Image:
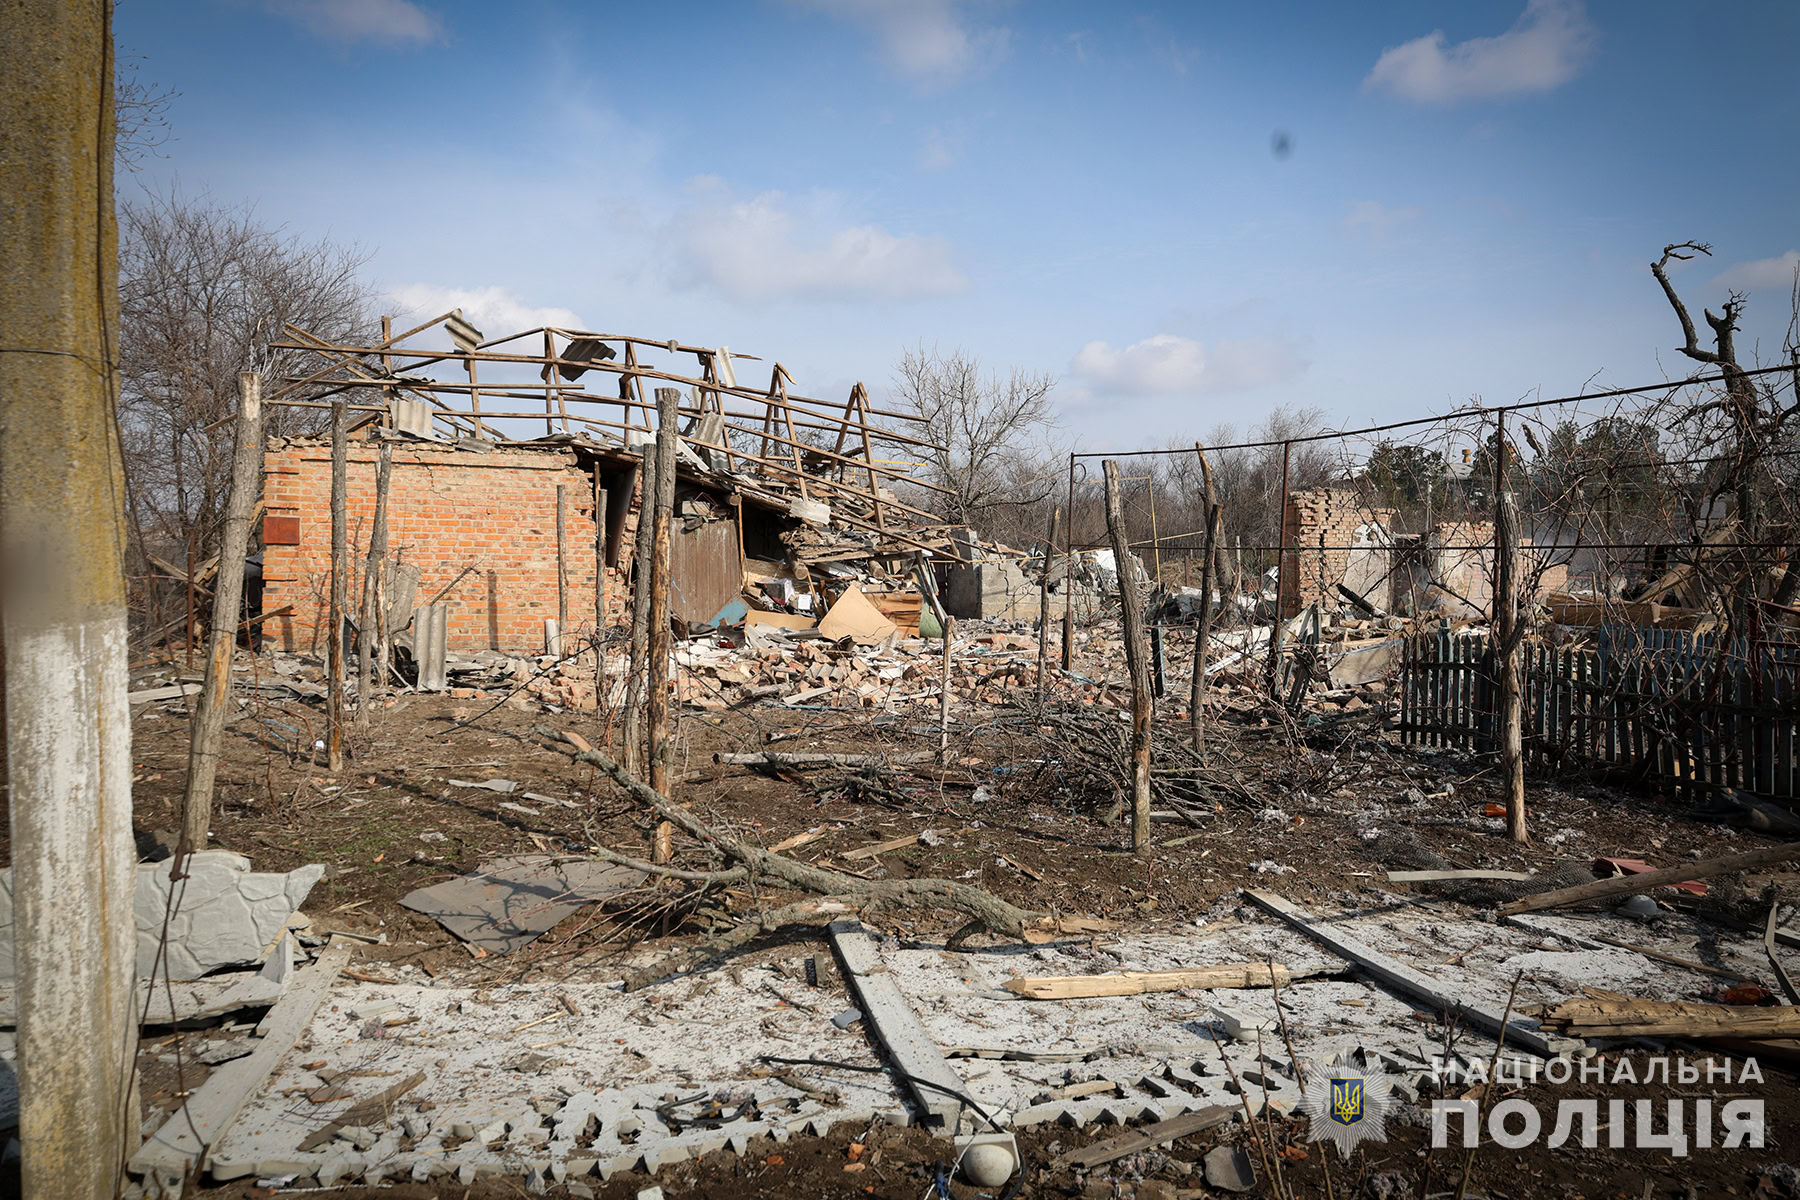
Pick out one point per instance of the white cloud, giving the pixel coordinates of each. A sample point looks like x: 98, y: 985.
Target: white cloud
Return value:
x: 940, y: 150
x: 930, y: 41
x: 1544, y: 49
x: 759, y: 249
x: 393, y: 22
x: 1763, y: 274
x: 1168, y: 363
x: 496, y: 311
x: 1378, y: 219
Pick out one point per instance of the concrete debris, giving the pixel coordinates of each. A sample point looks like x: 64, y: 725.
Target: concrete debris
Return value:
x: 226, y: 915
x: 513, y: 901
x: 1228, y: 1168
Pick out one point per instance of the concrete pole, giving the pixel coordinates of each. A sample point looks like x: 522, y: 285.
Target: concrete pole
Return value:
x: 228, y: 597
x: 62, y: 602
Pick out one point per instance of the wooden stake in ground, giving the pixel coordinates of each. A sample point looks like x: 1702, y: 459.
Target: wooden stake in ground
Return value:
x: 1044, y: 606
x: 562, y: 566
x: 340, y: 570
x: 662, y: 752
x: 228, y: 594
x: 62, y: 619
x: 1209, y: 578
x: 602, y: 694
x: 1137, y: 658
x: 1509, y: 634
x: 631, y: 727
x: 370, y: 623
x: 949, y: 627
x: 1068, y: 621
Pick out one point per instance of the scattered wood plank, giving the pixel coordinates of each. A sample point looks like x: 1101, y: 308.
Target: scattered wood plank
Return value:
x: 173, y: 691
x: 378, y: 1107
x: 1630, y: 885
x: 1596, y: 1013
x: 799, y: 839
x: 880, y: 847
x: 1151, y: 1136
x: 885, y: 1011
x: 1672, y: 959
x: 763, y: 758
x: 1402, y: 978
x: 1136, y: 983
x: 1436, y: 876
x: 176, y: 1148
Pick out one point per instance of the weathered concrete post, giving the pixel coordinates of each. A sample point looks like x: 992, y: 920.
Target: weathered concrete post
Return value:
x: 228, y: 597
x: 62, y: 611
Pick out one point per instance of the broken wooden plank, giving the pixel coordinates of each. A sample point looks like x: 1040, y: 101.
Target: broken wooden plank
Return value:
x: 1151, y: 1136
x: 885, y: 1011
x: 178, y: 1145
x: 1402, y: 978
x: 1607, y: 1014
x: 1437, y: 876
x: 1630, y: 885
x: 172, y: 692
x: 880, y: 847
x: 762, y: 758
x: 378, y: 1107
x: 1136, y: 983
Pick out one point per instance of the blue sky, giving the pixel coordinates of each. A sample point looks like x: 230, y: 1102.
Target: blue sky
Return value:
x: 1471, y: 196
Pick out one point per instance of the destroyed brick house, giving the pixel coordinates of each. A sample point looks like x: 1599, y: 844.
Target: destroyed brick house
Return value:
x: 1338, y: 542
x: 508, y: 533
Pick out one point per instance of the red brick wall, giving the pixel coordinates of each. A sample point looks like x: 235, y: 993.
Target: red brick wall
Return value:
x: 1317, y: 526
x: 493, y: 512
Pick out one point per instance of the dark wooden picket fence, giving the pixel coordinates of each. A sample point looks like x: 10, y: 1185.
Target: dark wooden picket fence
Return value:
x: 1659, y: 704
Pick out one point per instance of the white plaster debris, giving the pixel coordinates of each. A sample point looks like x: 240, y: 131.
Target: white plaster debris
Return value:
x: 575, y: 1096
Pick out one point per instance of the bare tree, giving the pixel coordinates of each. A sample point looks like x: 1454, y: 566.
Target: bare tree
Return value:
x: 1752, y: 419
x: 992, y: 432
x: 203, y: 289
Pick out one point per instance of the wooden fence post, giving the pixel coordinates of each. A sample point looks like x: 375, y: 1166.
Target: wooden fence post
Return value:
x: 1044, y: 606
x: 1137, y: 658
x: 562, y: 564
x: 661, y: 638
x: 367, y: 677
x: 1068, y: 622
x: 228, y: 596
x: 629, y: 723
x: 1509, y: 635
x: 340, y: 569
x: 1209, y: 579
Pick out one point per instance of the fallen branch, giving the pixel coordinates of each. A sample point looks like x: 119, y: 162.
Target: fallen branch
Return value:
x: 1630, y: 885
x: 840, y: 894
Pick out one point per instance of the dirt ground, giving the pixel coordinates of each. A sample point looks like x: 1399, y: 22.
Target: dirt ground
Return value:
x: 392, y: 822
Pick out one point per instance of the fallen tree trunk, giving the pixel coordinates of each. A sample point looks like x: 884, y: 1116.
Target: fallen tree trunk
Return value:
x: 840, y: 894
